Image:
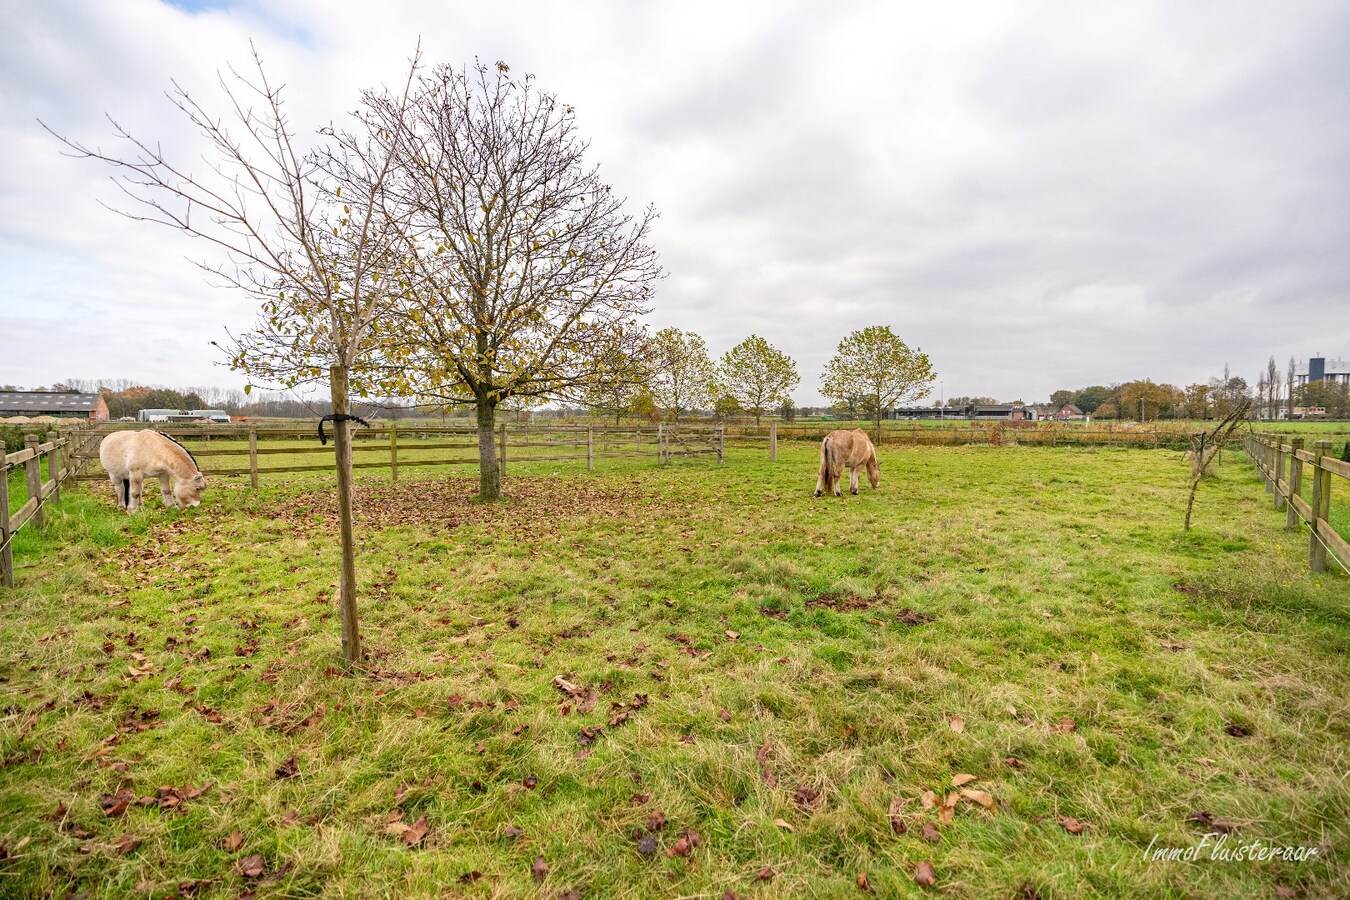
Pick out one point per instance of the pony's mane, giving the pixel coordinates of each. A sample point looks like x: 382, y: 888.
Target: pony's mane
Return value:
x: 185, y: 450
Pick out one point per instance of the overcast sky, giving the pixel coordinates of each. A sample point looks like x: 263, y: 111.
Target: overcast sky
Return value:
x: 1038, y: 195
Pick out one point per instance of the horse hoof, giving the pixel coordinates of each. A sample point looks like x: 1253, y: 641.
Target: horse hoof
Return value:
x: 854, y: 493
x: 817, y: 493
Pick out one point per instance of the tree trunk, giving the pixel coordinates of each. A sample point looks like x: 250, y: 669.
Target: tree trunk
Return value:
x: 489, y: 473
x: 342, y: 442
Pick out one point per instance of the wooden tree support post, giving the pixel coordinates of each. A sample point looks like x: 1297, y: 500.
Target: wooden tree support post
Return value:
x: 1321, y: 507
x: 501, y: 451
x: 393, y: 451
x: 773, y: 442
x: 342, y: 441
x: 33, y: 469
x: 6, y: 552
x: 253, y: 457
x: 590, y: 449
x: 54, y: 465
x: 1295, y: 483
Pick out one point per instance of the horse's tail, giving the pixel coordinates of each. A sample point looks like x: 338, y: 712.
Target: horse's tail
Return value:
x: 826, y: 460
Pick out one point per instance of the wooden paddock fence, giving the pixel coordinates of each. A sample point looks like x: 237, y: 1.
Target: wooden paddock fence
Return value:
x: 379, y: 447
x: 65, y: 454
x: 1288, y: 470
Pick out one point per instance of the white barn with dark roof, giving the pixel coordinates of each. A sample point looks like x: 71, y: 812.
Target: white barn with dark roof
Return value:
x: 51, y: 403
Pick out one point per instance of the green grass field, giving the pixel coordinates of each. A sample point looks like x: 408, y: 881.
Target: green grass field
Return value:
x: 681, y: 681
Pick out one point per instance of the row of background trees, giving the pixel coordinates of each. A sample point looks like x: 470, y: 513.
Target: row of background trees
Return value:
x: 1273, y: 392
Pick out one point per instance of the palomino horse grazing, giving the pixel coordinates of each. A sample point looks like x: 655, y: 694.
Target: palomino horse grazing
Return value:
x: 132, y: 456
x: 846, y: 448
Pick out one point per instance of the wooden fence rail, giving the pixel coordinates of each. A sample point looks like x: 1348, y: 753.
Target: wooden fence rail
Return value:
x: 66, y: 455
x: 1285, y: 467
x: 393, y: 447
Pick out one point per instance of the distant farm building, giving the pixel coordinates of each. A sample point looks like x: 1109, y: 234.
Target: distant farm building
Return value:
x: 157, y: 415
x: 1005, y: 412
x: 51, y: 403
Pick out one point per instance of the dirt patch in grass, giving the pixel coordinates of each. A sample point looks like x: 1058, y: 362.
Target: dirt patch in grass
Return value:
x: 532, y: 505
x: 839, y: 603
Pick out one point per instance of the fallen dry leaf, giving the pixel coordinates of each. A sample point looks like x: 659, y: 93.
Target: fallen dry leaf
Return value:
x: 764, y: 874
x: 931, y: 833
x: 862, y: 882
x: 957, y: 724
x: 539, y: 870
x: 1065, y: 726
x: 958, y: 780
x: 415, y: 832
x: 947, y: 811
x: 895, y: 814
x: 924, y: 875
x: 981, y: 797
x: 250, y: 866
x: 784, y: 824
x: 1071, y: 825
x: 470, y: 877
x: 512, y: 831
x: 233, y: 842
x: 288, y: 769
x: 1207, y: 819
x: 928, y: 799
x: 115, y: 804
x: 125, y: 844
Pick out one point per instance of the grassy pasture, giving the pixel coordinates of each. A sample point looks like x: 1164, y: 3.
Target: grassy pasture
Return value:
x: 790, y: 671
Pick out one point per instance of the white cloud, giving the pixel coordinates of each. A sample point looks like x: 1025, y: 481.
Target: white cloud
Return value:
x: 1038, y: 195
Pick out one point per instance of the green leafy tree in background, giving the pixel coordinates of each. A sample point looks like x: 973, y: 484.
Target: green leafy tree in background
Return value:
x: 757, y: 375
x: 683, y: 373
x: 875, y: 366
x: 521, y: 267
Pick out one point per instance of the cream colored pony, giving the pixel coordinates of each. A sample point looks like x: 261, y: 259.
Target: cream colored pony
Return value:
x: 132, y: 456
x: 852, y: 449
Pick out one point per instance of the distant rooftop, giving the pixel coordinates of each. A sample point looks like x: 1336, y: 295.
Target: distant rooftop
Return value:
x: 47, y: 401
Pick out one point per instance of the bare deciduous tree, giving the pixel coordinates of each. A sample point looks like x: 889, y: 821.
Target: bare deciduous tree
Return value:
x: 305, y: 231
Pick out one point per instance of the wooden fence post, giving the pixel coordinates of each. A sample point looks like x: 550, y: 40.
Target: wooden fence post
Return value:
x: 773, y: 442
x: 54, y: 466
x: 501, y: 464
x: 590, y: 449
x: 393, y: 450
x: 1295, y: 483
x: 6, y: 553
x: 1321, y: 506
x: 253, y: 456
x: 721, y: 443
x: 34, y: 472
x: 660, y: 443
x: 1279, y: 474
